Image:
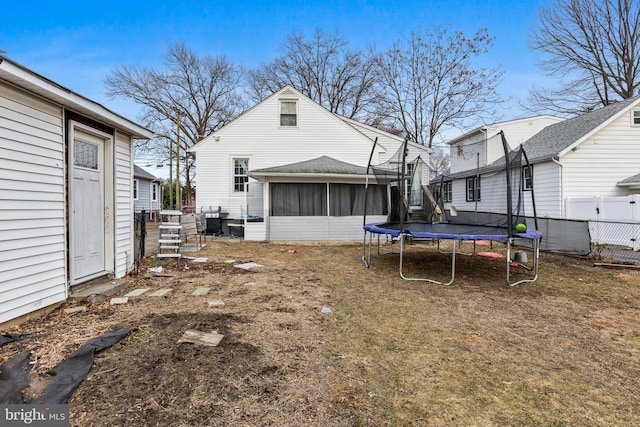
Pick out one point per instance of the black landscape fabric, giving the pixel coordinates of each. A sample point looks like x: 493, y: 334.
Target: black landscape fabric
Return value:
x: 14, y: 377
x: 73, y: 370
x: 7, y: 338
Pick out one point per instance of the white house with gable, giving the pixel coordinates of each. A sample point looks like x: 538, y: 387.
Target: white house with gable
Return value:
x: 480, y: 147
x: 591, y: 156
x: 289, y: 169
x: 66, y: 178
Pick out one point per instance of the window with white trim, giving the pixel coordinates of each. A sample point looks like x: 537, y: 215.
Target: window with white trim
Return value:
x: 135, y: 189
x: 473, y: 189
x: 240, y: 174
x: 288, y: 113
x: 635, y: 118
x: 447, y: 191
x: 527, y: 178
x: 154, y: 192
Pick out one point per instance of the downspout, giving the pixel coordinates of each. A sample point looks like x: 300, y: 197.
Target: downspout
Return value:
x: 556, y: 160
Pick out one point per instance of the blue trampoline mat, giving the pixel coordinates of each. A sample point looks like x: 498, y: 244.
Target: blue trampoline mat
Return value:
x: 448, y: 231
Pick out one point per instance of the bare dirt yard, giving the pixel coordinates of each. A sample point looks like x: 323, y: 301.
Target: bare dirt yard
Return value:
x: 314, y: 338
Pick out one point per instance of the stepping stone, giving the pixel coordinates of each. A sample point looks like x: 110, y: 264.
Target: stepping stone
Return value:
x: 230, y: 261
x: 136, y: 292
x: 250, y: 284
x: 216, y: 303
x: 210, y: 339
x: 74, y: 310
x: 119, y: 300
x: 247, y: 265
x: 200, y: 291
x: 200, y: 260
x: 160, y: 292
x: 325, y: 310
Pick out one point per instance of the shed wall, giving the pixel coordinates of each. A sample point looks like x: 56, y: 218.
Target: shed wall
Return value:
x: 32, y: 204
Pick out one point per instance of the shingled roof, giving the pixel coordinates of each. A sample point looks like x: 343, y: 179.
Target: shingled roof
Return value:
x: 319, y: 166
x: 141, y: 173
x: 553, y: 139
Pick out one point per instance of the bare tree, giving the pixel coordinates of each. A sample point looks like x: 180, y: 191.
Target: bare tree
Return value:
x: 429, y: 83
x: 324, y: 69
x: 438, y: 161
x: 592, y: 47
x: 192, y: 97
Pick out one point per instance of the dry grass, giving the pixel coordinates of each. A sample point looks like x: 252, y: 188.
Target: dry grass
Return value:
x: 561, y: 351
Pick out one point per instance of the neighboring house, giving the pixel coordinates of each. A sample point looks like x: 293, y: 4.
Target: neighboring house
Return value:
x: 147, y: 192
x: 66, y: 174
x: 594, y: 154
x: 303, y: 166
x: 480, y: 147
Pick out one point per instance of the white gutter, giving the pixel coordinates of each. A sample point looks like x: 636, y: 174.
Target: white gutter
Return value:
x: 31, y: 81
x: 556, y: 160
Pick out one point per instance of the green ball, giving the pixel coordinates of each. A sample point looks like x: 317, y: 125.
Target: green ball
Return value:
x: 521, y: 228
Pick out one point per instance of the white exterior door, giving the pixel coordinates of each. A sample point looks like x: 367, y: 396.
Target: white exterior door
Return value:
x: 88, y: 198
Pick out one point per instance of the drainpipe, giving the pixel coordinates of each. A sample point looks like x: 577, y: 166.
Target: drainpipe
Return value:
x: 556, y: 160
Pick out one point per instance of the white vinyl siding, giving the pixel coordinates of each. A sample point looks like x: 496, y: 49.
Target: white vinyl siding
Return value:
x: 603, y: 160
x: 32, y: 204
x: 124, y: 231
x: 318, y: 228
x: 487, y: 147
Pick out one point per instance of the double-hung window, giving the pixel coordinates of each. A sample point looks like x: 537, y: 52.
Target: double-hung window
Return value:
x: 635, y: 118
x: 473, y: 189
x: 288, y: 113
x: 240, y: 174
x: 527, y: 178
x: 135, y: 189
x: 447, y: 191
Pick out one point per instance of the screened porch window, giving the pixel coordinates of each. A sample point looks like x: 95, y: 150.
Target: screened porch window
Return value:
x: 240, y: 174
x: 298, y: 199
x: 348, y: 199
x: 311, y: 199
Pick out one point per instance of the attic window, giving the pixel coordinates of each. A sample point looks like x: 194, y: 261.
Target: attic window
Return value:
x: 635, y: 118
x: 288, y: 113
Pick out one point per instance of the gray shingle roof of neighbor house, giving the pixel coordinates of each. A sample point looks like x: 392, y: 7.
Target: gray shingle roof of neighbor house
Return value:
x: 635, y: 179
x: 553, y: 139
x: 323, y: 165
x: 141, y: 173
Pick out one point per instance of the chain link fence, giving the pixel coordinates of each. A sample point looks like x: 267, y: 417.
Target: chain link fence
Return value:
x: 616, y: 241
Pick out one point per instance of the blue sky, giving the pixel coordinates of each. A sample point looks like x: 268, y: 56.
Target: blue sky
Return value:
x: 77, y: 44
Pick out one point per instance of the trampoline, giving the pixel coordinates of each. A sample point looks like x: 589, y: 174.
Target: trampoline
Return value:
x: 456, y: 233
x: 475, y: 226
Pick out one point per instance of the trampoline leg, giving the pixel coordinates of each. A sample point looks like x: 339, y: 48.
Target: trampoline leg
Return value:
x: 366, y: 261
x: 536, y: 263
x: 437, y: 282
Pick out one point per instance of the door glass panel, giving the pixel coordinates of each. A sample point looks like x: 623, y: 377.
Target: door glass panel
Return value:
x: 85, y: 155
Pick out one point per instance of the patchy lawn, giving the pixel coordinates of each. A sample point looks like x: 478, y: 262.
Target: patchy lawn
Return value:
x: 561, y: 351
